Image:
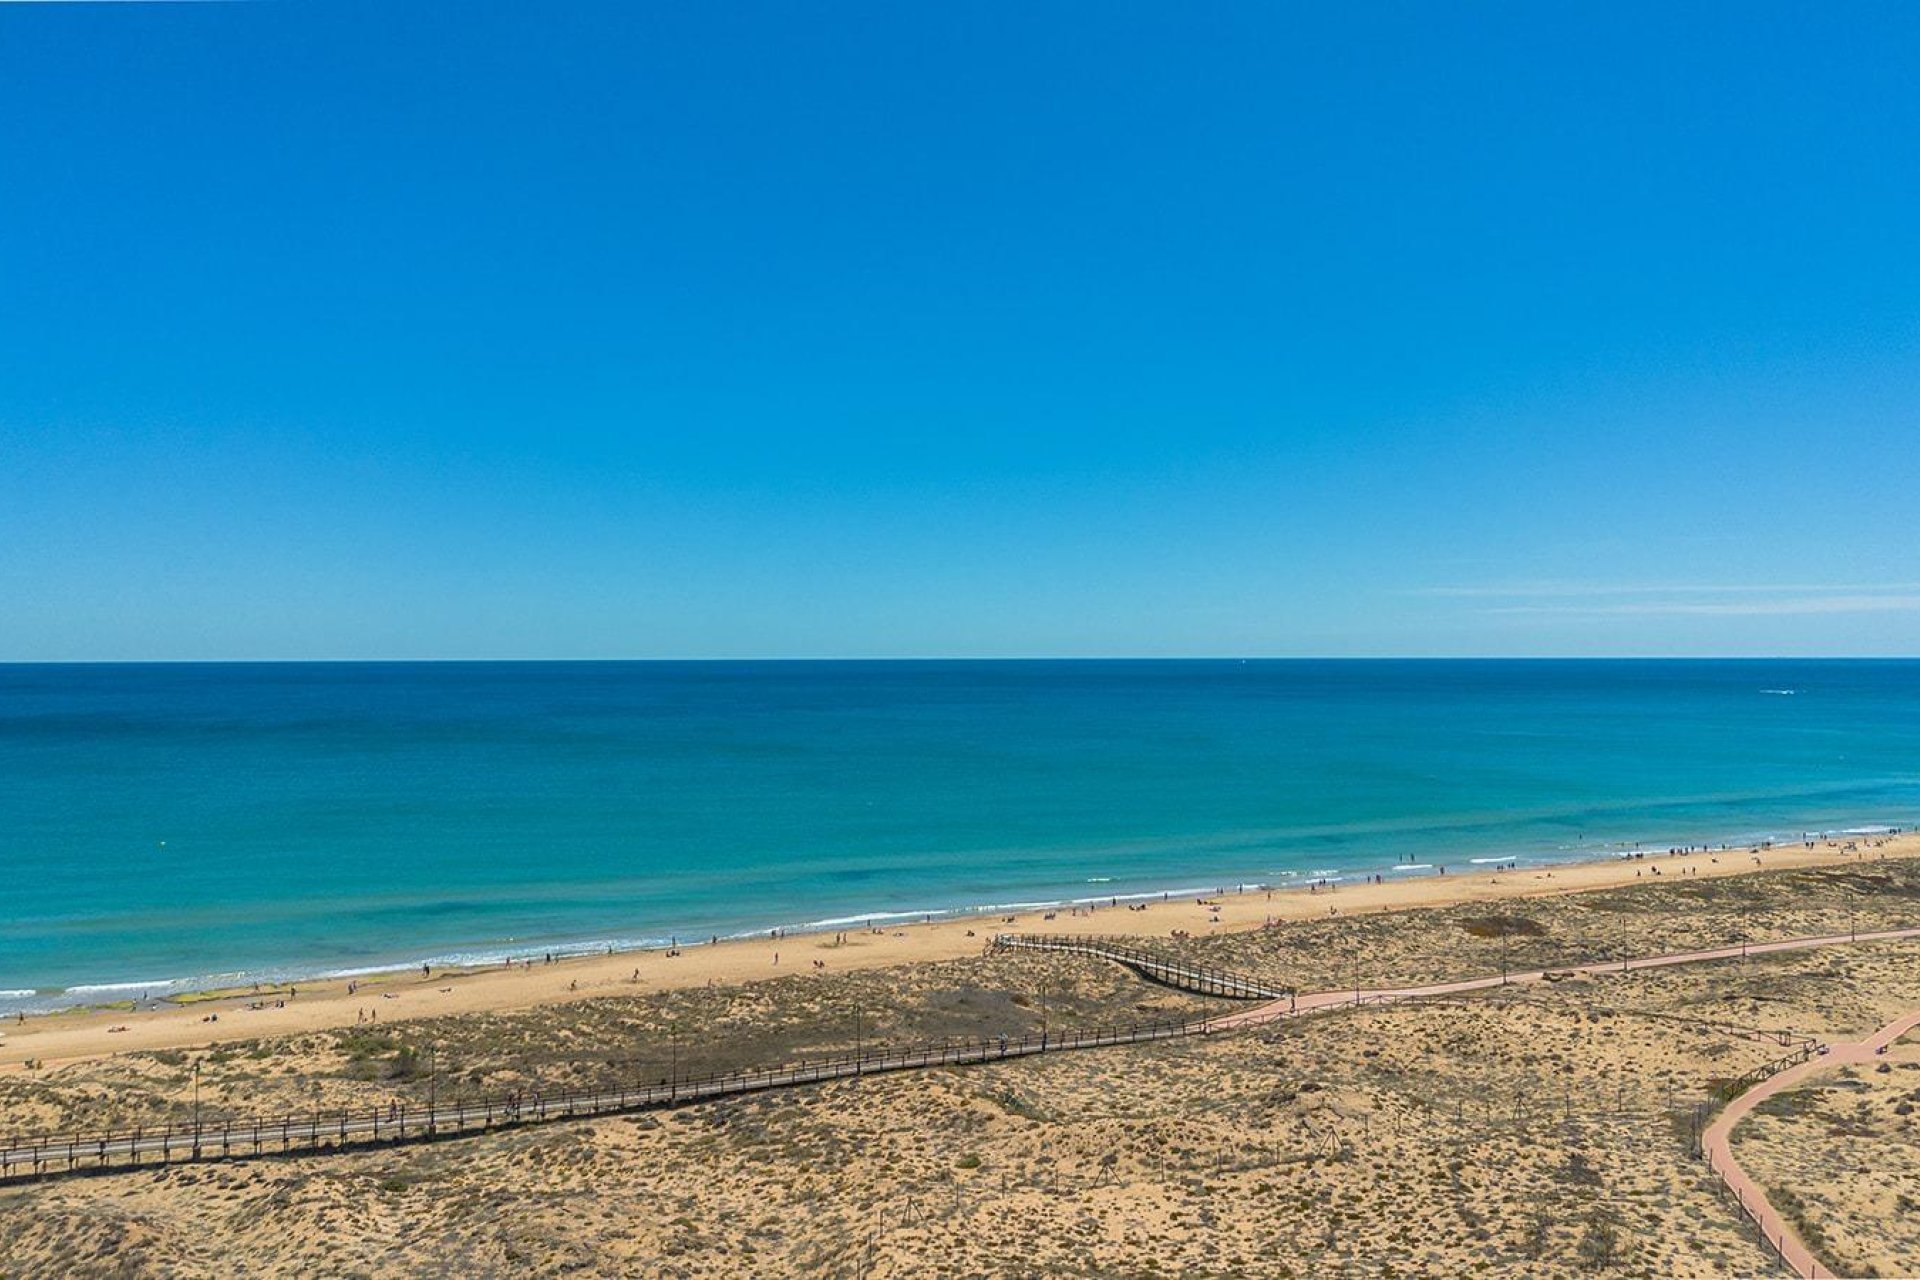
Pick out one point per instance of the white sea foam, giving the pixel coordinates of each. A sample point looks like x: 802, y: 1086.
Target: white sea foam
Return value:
x: 367, y: 971
x: 1150, y: 895
x: 1482, y: 861
x: 525, y: 950
x: 1412, y: 866
x: 865, y: 917
x: 49, y: 999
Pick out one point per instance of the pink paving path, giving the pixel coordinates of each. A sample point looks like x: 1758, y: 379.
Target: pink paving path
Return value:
x: 1382, y: 995
x: 1792, y: 1249
x: 1718, y: 1139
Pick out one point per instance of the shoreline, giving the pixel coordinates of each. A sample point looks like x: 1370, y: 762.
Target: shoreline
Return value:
x: 227, y: 1015
x: 148, y: 996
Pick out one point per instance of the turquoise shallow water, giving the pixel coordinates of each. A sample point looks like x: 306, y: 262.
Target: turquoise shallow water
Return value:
x: 181, y: 825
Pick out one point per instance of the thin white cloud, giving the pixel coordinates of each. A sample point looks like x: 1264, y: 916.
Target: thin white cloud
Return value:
x: 1537, y: 590
x: 1565, y: 599
x: 1786, y: 606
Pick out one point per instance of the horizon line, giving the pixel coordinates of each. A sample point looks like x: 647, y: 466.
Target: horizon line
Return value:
x: 991, y: 658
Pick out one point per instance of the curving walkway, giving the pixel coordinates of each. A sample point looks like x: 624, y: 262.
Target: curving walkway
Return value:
x: 1718, y: 1140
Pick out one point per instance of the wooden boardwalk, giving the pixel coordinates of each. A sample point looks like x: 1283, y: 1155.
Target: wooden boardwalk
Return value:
x: 1148, y: 964
x: 54, y: 1154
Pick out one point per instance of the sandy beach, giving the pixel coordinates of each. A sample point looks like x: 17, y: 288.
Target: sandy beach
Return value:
x: 80, y: 1035
x: 1539, y: 1127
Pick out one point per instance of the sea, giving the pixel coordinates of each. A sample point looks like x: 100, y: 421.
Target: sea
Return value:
x: 174, y: 827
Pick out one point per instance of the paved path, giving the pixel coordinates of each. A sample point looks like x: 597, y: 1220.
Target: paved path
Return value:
x: 1718, y: 1139
x: 1385, y: 995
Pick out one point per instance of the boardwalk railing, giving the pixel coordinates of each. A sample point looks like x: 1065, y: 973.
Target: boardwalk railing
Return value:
x: 1150, y: 965
x: 1404, y: 997
x: 226, y: 1138
x: 1728, y: 1090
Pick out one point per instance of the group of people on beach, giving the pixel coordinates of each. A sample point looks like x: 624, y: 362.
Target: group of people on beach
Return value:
x: 1809, y: 840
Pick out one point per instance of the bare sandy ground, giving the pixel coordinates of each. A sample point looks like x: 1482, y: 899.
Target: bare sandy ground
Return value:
x: 72, y: 1037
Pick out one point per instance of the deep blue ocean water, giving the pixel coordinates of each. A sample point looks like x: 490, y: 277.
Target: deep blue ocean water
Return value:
x: 198, y: 824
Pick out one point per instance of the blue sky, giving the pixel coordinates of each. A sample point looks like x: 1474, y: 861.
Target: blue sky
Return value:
x: 357, y: 331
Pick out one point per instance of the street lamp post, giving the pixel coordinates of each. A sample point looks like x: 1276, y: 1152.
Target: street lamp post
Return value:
x: 196, y: 1111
